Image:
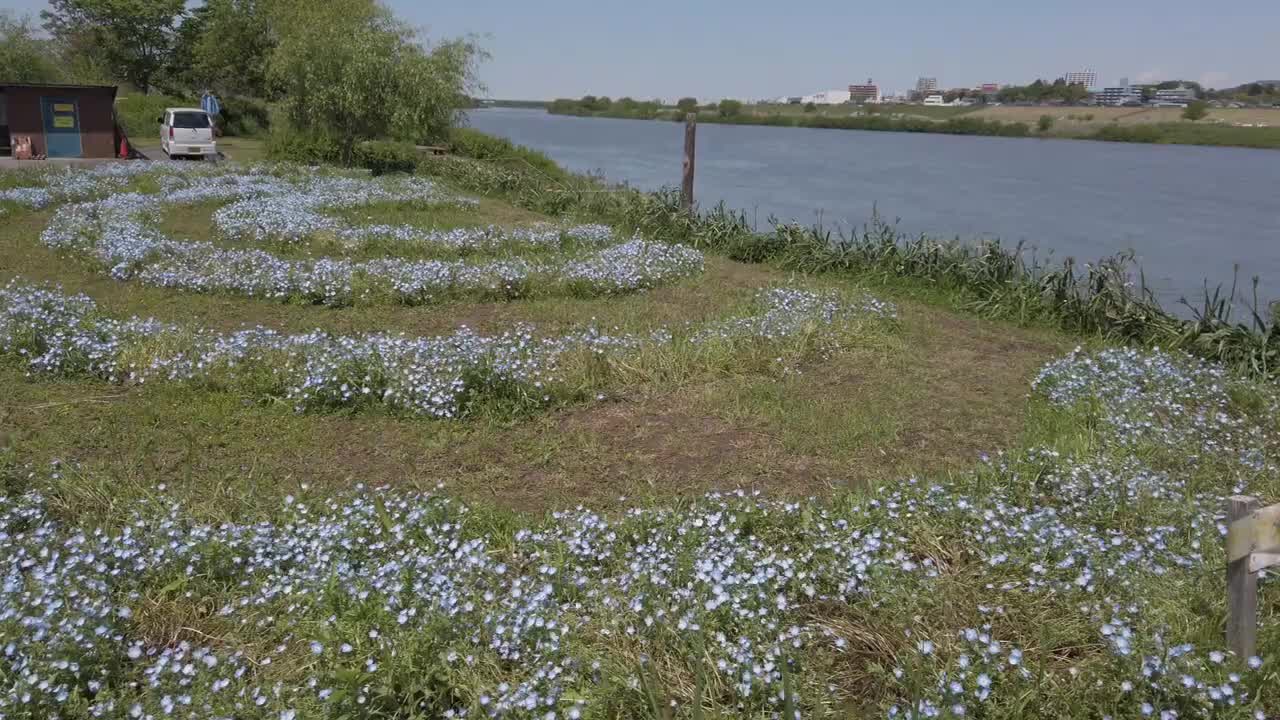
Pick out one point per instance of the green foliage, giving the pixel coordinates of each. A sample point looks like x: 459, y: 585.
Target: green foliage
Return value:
x: 381, y: 157
x: 354, y: 79
x: 23, y: 56
x: 810, y: 107
x: 1041, y: 91
x: 301, y: 146
x: 231, y: 53
x: 1257, y: 94
x: 1171, y: 84
x: 1196, y: 110
x: 956, y: 125
x: 1045, y: 123
x: 179, y: 73
x: 1183, y: 133
x: 960, y: 125
x: 730, y: 108
x: 138, y: 114
x: 471, y: 143
x: 590, y: 105
x: 687, y: 105
x: 244, y: 117
x: 133, y: 37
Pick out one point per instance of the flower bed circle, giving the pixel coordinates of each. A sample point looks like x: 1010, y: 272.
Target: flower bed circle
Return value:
x: 120, y: 231
x: 58, y: 334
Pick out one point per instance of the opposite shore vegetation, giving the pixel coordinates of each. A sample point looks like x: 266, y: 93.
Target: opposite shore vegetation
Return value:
x: 1149, y: 125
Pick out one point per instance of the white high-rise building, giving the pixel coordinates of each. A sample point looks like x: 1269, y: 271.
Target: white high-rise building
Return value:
x: 926, y: 85
x: 1087, y: 78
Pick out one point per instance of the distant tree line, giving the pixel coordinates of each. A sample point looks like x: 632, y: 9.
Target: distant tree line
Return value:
x: 1254, y: 93
x: 603, y: 106
x: 623, y: 107
x: 1040, y: 91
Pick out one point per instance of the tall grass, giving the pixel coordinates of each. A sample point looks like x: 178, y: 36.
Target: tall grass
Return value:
x: 1185, y: 133
x: 1107, y: 298
x: 480, y: 146
x: 890, y: 123
x: 139, y: 114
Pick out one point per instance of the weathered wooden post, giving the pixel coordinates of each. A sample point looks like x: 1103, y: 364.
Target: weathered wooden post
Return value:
x: 1253, y: 545
x: 690, y: 138
x: 1242, y: 585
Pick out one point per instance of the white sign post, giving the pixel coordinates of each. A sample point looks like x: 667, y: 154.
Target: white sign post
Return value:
x: 1253, y: 544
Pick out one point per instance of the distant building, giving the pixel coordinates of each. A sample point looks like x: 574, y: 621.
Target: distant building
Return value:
x: 1087, y: 78
x: 934, y: 99
x: 829, y: 97
x: 1119, y: 95
x: 989, y: 88
x: 926, y: 85
x: 1180, y: 95
x: 867, y: 93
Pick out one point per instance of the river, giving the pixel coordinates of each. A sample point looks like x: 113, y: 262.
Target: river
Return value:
x: 1190, y: 214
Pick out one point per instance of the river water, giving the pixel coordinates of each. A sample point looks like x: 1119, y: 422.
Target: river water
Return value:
x: 1190, y: 214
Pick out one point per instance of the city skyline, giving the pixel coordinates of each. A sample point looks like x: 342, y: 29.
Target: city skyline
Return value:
x: 666, y: 49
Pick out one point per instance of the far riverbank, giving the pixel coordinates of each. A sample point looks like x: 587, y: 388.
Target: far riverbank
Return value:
x: 1146, y: 126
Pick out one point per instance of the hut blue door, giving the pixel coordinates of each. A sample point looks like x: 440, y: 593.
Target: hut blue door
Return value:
x: 61, y: 127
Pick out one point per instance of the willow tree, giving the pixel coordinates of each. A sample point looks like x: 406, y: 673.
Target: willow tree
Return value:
x: 355, y: 73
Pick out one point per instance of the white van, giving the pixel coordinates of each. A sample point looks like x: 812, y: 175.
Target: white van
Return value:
x: 187, y: 132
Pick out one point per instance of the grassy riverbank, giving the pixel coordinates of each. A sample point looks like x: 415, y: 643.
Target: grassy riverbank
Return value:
x: 1228, y: 127
x: 305, y: 498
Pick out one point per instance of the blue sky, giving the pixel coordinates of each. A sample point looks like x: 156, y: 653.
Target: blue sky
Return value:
x: 755, y: 49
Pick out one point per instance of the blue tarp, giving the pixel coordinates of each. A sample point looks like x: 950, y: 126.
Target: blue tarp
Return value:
x: 209, y: 103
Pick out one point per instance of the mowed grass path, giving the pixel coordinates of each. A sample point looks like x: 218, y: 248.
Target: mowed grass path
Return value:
x: 926, y: 398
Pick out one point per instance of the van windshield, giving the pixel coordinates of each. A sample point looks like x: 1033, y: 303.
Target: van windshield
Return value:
x: 190, y: 120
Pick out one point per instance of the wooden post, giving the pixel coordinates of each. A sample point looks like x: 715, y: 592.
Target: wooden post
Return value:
x: 1242, y: 588
x: 690, y: 137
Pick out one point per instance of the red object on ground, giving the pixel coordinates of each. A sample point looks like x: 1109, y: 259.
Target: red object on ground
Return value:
x: 22, y: 148
x: 124, y: 148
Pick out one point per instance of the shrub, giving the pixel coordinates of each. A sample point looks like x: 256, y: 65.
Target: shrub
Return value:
x: 1197, y: 110
x: 1045, y: 123
x: 475, y: 144
x: 1144, y: 133
x: 730, y: 108
x: 244, y: 116
x: 300, y: 146
x: 381, y: 157
x: 137, y: 114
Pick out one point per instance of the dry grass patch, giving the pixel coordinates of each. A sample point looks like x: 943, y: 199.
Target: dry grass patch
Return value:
x: 930, y: 400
